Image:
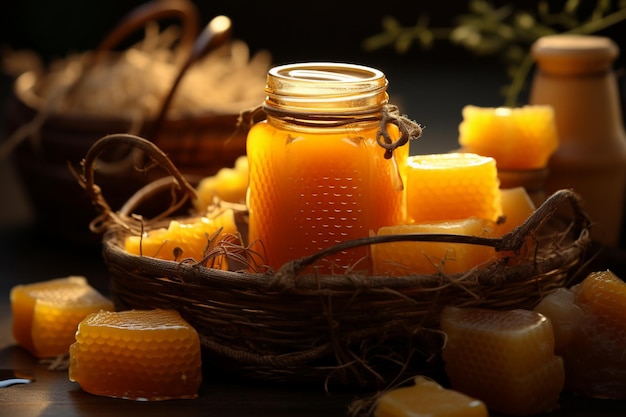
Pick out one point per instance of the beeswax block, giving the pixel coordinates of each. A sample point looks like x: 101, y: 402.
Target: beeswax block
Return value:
x: 516, y: 208
x: 452, y: 186
x: 518, y: 138
x: 590, y: 327
x: 504, y: 358
x: 404, y: 257
x: 184, y: 239
x: 46, y: 314
x: 145, y: 355
x: 426, y: 398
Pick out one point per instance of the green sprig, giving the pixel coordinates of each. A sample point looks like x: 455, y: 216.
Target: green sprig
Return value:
x: 504, y: 31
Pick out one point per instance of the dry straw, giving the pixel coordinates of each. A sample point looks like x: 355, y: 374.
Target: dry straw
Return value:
x: 351, y: 329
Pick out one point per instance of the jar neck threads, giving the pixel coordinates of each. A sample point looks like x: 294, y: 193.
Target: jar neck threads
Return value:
x: 325, y: 94
x: 333, y: 95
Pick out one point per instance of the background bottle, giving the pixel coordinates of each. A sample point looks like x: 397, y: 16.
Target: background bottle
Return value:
x: 574, y: 75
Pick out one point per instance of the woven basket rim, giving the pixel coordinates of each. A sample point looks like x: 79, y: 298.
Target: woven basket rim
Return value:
x: 290, y: 276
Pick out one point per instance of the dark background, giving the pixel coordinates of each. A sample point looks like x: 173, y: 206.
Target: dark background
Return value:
x: 430, y: 86
x: 293, y: 30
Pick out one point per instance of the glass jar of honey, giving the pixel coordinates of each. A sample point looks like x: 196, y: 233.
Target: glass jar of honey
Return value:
x: 319, y: 174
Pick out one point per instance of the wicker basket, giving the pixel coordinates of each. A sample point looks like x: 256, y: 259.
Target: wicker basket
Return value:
x: 200, y: 144
x: 358, y: 330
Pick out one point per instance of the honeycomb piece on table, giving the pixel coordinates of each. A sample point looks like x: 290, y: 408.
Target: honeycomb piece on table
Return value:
x: 590, y: 327
x: 147, y: 355
x: 46, y: 314
x: 426, y: 398
x: 504, y: 358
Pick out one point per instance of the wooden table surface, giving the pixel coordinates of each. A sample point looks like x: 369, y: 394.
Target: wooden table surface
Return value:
x: 30, y: 256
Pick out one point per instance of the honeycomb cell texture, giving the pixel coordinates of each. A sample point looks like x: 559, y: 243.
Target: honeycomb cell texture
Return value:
x: 188, y: 239
x: 504, y: 358
x: 590, y: 319
x: 46, y: 314
x: 452, y: 186
x: 137, y: 354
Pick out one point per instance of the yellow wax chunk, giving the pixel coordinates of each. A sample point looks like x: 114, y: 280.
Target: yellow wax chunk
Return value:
x: 229, y: 184
x: 518, y: 138
x: 516, y: 208
x: 504, y: 358
x: 428, y: 399
x: 185, y: 239
x: 46, y: 314
x: 404, y: 258
x: 590, y: 328
x: 452, y: 186
x: 137, y: 354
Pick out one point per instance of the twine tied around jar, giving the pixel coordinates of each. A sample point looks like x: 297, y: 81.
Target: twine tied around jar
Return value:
x: 390, y: 114
x: 409, y: 129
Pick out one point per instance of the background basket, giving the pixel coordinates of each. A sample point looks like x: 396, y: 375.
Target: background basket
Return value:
x: 200, y: 144
x: 353, y: 329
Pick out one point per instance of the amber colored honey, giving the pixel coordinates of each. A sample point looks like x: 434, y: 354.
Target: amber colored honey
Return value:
x: 137, y: 354
x: 452, y: 186
x: 426, y: 398
x: 46, y: 314
x: 504, y: 358
x: 313, y: 188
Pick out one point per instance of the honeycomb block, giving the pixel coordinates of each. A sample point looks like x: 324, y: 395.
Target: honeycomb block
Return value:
x: 504, y: 358
x: 405, y: 257
x: 517, y: 138
x: 590, y: 328
x: 452, y: 186
x: 46, y: 314
x: 426, y: 398
x: 147, y: 355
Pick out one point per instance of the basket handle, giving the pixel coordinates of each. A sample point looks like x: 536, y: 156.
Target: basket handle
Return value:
x: 155, y: 10
x: 94, y: 193
x: 512, y: 241
x: 214, y: 34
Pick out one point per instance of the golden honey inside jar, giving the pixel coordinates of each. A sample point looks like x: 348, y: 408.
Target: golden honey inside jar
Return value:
x: 318, y: 175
